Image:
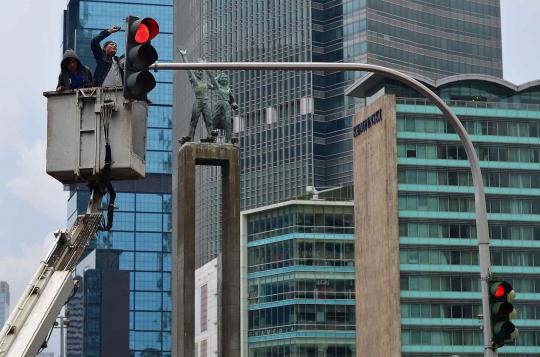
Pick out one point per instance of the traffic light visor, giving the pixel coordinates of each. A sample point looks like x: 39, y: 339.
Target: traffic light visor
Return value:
x: 151, y: 26
x: 144, y: 30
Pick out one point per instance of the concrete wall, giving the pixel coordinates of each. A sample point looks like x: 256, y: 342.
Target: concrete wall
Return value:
x: 378, y: 326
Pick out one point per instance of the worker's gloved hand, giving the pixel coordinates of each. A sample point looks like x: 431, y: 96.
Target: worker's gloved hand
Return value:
x: 60, y: 88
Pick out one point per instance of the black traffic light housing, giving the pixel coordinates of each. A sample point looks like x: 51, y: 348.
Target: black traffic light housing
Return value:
x: 501, y: 295
x: 140, y: 54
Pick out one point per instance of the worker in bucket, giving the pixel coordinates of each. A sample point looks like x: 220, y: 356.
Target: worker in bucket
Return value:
x: 73, y: 74
x: 109, y: 67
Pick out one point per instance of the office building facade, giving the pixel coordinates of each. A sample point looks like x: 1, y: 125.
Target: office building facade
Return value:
x: 98, y: 312
x: 4, y: 302
x: 424, y: 250
x: 298, y: 290
x: 206, y: 309
x: 142, y: 222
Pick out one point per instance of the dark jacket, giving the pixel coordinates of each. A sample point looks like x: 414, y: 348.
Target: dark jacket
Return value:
x: 103, y: 62
x: 63, y: 78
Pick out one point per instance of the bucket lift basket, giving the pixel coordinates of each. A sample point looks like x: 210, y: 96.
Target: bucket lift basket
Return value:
x: 79, y: 124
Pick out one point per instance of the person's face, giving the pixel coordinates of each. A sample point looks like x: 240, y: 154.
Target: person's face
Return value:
x: 72, y: 65
x: 199, y: 74
x: 110, y: 49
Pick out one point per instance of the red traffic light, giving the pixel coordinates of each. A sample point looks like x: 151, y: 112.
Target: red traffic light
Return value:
x: 144, y: 30
x: 499, y: 292
x: 142, y: 34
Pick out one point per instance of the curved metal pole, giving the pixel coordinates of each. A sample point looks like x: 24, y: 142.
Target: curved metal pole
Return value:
x: 479, y: 195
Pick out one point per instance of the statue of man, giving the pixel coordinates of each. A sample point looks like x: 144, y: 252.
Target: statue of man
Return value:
x: 200, y: 106
x: 222, y: 113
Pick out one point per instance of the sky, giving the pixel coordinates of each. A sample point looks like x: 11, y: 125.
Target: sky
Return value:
x: 33, y: 204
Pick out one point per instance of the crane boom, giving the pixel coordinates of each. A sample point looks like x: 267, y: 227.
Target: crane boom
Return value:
x: 25, y: 332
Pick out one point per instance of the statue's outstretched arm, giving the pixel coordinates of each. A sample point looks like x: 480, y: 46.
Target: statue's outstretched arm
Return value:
x: 183, y: 53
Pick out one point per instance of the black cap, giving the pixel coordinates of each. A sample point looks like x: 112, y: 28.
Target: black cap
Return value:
x: 107, y: 42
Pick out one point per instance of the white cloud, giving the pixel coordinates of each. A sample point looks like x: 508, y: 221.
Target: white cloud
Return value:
x: 34, y: 186
x: 17, y: 270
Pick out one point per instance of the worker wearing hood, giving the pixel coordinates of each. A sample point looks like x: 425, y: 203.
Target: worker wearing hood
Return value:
x: 73, y: 73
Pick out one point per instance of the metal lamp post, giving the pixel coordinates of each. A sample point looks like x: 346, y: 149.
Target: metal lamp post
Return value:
x: 479, y: 196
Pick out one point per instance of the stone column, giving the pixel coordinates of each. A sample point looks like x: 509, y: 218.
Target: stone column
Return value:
x: 183, y: 281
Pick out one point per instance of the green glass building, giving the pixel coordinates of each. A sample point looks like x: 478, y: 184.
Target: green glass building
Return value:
x: 300, y: 279
x: 438, y: 257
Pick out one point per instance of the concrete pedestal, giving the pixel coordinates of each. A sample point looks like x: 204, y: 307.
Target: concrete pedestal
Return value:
x: 183, y: 270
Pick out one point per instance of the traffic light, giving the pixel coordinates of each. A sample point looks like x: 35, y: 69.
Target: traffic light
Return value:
x: 140, y: 54
x: 501, y: 294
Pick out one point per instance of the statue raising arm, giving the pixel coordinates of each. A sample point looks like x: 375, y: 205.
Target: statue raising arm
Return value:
x: 183, y: 53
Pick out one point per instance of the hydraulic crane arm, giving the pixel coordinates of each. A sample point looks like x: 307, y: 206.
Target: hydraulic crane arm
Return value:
x: 25, y: 332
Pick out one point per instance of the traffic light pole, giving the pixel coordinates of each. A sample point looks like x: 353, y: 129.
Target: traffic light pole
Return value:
x: 479, y: 195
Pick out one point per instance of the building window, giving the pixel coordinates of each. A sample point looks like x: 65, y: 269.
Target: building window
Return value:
x: 271, y: 115
x: 204, y: 311
x: 306, y: 105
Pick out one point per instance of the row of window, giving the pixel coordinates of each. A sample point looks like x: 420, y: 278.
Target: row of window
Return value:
x: 512, y: 258
x: 449, y: 177
x: 474, y: 126
x: 457, y: 152
x: 411, y: 336
x: 139, y: 241
x: 419, y: 336
x: 310, y: 317
x: 461, y: 311
x: 318, y: 216
x: 261, y: 291
x: 461, y: 283
x: 297, y: 350
x: 457, y: 230
x: 418, y: 202
x: 438, y: 257
x: 301, y: 252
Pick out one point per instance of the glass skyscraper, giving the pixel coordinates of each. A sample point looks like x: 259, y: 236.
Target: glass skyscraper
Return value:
x: 294, y: 126
x: 438, y: 255
x: 142, y: 224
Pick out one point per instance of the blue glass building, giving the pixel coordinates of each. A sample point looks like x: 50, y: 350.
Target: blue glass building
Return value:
x: 142, y: 225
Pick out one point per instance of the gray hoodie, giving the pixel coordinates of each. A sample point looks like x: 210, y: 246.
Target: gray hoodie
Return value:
x: 63, y: 78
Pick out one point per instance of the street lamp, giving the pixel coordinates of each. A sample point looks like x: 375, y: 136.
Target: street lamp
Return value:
x: 479, y: 196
